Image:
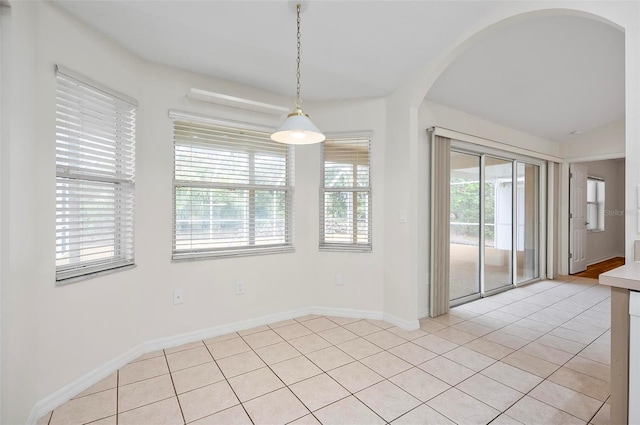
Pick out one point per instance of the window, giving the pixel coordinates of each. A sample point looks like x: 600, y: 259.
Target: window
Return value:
x: 95, y: 164
x: 595, y: 204
x: 233, y: 190
x: 345, y: 210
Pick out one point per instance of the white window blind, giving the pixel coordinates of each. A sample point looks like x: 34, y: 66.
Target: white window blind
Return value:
x: 345, y: 200
x: 233, y: 191
x: 595, y: 204
x: 95, y: 168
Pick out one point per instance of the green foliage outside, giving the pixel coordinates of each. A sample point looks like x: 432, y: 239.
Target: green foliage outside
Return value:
x: 225, y: 212
x: 465, y: 208
x: 338, y: 205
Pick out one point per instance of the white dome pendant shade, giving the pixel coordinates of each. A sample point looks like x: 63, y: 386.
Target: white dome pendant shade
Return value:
x: 298, y: 128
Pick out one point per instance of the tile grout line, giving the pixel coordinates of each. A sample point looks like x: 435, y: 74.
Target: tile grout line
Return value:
x: 326, y: 372
x: 117, y: 395
x: 386, y: 350
x: 173, y: 384
x: 136, y: 382
x: 544, y: 402
x: 229, y: 384
x: 323, y: 372
x: 386, y: 378
x: 544, y: 379
x: 527, y: 317
x: 406, y: 341
x: 276, y: 375
x: 596, y: 412
x: 478, y: 337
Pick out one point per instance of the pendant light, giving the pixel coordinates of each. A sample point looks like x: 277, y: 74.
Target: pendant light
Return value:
x: 298, y: 128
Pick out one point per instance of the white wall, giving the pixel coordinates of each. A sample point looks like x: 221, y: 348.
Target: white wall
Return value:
x: 402, y: 239
x: 55, y: 335
x: 19, y: 218
x: 607, y: 141
x: 610, y: 243
x: 434, y: 114
x: 631, y: 22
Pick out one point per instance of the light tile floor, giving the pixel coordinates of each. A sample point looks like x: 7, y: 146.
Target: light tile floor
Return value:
x: 533, y: 355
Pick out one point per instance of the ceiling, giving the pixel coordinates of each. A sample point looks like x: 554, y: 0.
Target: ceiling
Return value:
x: 350, y: 49
x: 546, y: 76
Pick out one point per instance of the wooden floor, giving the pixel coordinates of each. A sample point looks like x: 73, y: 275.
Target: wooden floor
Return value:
x: 595, y: 270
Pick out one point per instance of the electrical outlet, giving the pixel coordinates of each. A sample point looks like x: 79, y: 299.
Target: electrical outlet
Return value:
x: 239, y: 287
x: 339, y: 279
x: 178, y: 296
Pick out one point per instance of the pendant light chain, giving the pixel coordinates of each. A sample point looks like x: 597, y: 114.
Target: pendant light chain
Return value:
x: 298, y: 128
x: 298, y: 100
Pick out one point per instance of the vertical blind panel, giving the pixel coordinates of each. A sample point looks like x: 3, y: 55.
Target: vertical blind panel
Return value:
x: 439, y: 285
x: 233, y: 191
x: 345, y: 215
x: 95, y: 164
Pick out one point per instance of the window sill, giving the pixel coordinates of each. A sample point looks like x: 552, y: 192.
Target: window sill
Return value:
x: 596, y: 231
x: 345, y: 248
x: 196, y: 256
x: 67, y: 281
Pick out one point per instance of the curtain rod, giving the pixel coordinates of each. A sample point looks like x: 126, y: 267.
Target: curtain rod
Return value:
x: 483, y: 141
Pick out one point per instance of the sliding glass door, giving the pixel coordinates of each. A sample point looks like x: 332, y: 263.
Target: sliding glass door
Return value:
x: 498, y: 223
x: 464, y: 253
x: 494, y: 224
x: 527, y: 250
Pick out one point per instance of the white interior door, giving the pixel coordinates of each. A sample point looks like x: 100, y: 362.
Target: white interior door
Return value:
x: 577, y: 218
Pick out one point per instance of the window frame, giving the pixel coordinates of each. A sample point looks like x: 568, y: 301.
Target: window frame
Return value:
x: 352, y: 246
x: 249, y: 249
x: 119, y: 178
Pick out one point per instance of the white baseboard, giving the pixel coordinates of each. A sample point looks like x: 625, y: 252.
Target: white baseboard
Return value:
x: 422, y: 314
x: 185, y: 338
x: 347, y: 312
x: 600, y: 260
x: 71, y: 390
x: 407, y: 325
x: 66, y: 393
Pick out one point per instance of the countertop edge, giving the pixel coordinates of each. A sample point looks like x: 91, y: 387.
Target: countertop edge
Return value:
x: 626, y: 277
